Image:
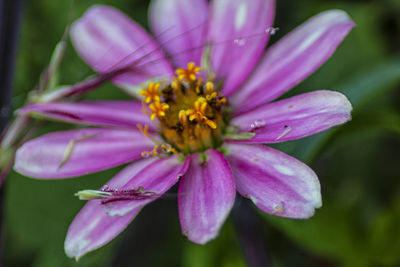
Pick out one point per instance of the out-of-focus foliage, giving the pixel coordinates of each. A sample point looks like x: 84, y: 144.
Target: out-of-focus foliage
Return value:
x: 358, y: 164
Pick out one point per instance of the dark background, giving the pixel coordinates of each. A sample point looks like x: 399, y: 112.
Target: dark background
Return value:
x: 358, y: 164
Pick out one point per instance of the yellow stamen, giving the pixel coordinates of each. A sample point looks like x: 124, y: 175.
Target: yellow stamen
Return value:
x: 176, y: 84
x: 170, y: 149
x: 222, y: 101
x: 209, y: 87
x: 151, y: 93
x: 198, y: 113
x: 188, y: 74
x: 145, y: 132
x: 158, y: 109
x: 198, y: 86
x: 211, y: 96
x: 212, y: 124
x: 182, y: 117
x: 189, y: 112
x: 145, y: 154
x: 144, y: 109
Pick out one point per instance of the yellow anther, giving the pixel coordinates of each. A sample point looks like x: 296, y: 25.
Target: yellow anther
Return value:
x: 198, y: 86
x: 182, y: 117
x: 209, y: 87
x: 198, y: 113
x: 188, y: 74
x: 210, y: 123
x: 200, y: 105
x: 222, y: 100
x: 151, y: 93
x: 193, y: 115
x: 176, y: 84
x: 158, y: 109
x: 211, y: 96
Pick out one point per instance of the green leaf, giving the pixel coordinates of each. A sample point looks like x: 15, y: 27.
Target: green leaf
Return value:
x: 384, y: 236
x: 371, y: 84
x: 325, y: 234
x: 214, y: 253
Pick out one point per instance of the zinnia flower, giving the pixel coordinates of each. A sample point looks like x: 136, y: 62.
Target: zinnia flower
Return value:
x: 203, y: 128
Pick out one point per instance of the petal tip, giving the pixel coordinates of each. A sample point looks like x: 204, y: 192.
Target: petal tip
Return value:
x: 344, y: 102
x: 339, y: 16
x: 340, y: 100
x: 74, y: 250
x: 201, y: 239
x: 19, y: 165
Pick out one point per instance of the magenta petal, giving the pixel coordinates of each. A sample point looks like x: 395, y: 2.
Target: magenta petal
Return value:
x: 206, y: 195
x: 79, y: 152
x: 92, y: 227
x: 292, y: 59
x: 277, y: 183
x: 157, y: 177
x: 125, y: 114
x: 295, y: 117
x: 179, y: 26
x: 107, y: 39
x: 238, y: 33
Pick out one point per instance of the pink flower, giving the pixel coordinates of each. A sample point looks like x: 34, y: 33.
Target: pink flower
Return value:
x: 207, y: 131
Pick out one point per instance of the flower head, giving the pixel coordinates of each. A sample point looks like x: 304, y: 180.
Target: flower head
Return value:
x: 203, y: 127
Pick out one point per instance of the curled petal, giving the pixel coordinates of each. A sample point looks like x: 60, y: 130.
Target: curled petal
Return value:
x: 237, y: 33
x: 157, y: 177
x: 206, y: 195
x: 92, y: 227
x: 125, y: 114
x: 293, y: 58
x: 79, y: 152
x: 179, y: 26
x: 107, y: 39
x: 295, y: 117
x: 277, y: 183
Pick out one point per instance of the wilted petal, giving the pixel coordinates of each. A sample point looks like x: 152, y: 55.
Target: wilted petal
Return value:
x: 79, y: 152
x: 92, y: 227
x: 277, y: 183
x: 157, y: 177
x: 179, y: 26
x: 206, y: 195
x: 295, y: 117
x: 293, y: 58
x: 238, y: 36
x: 107, y: 39
x: 125, y: 114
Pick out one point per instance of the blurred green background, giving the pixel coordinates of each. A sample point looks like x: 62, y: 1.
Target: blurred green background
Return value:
x: 358, y: 164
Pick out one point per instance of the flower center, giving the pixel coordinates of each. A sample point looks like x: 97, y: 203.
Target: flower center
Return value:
x: 189, y: 111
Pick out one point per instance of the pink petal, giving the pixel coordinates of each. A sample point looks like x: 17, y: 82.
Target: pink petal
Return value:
x: 237, y: 31
x: 179, y: 26
x: 206, y: 195
x: 293, y: 58
x: 277, y: 183
x: 79, y: 152
x: 92, y: 227
x: 157, y: 177
x: 107, y: 39
x: 125, y: 114
x: 295, y: 117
